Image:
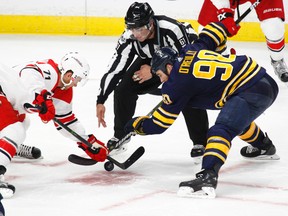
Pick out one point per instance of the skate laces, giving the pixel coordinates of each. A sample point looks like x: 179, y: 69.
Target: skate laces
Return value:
x: 25, y: 151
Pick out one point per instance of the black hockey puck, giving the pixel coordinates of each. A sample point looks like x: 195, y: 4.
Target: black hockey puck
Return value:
x: 109, y: 166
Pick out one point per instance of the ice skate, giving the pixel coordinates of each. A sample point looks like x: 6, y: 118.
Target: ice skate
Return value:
x: 280, y: 69
x: 265, y: 152
x: 28, y: 152
x: 115, y: 148
x: 6, y: 190
x: 202, y: 187
x: 197, y: 153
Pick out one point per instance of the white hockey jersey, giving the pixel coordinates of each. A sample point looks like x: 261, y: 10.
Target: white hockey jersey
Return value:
x: 20, y: 87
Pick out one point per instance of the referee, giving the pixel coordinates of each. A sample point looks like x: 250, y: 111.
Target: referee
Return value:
x: 129, y: 72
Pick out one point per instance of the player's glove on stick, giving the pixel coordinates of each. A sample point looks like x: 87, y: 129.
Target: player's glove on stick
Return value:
x: 44, y: 103
x: 226, y: 16
x: 136, y: 124
x: 95, y: 152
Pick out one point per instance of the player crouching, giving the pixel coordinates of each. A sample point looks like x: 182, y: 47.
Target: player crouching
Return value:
x: 46, y: 88
x: 233, y: 84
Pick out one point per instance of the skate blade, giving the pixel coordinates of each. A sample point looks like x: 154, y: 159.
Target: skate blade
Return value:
x: 24, y: 159
x: 119, y: 150
x: 205, y: 193
x: 6, y: 192
x: 264, y: 157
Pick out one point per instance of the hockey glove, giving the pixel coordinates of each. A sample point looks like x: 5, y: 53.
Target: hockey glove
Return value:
x: 95, y: 152
x: 44, y: 103
x: 136, y: 124
x: 226, y: 16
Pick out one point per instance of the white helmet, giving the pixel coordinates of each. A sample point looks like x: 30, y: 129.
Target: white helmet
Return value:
x: 74, y: 62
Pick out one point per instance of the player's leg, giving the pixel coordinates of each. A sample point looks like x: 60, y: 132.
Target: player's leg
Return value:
x: 238, y: 112
x: 273, y: 27
x: 12, y: 132
x: 197, y: 125
x: 25, y: 151
x: 228, y: 124
x: 125, y: 98
x: 261, y: 147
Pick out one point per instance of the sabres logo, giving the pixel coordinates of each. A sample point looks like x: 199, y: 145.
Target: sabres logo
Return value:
x: 166, y: 99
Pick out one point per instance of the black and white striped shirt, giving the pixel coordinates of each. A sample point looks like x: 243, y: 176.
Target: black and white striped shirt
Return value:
x: 168, y: 32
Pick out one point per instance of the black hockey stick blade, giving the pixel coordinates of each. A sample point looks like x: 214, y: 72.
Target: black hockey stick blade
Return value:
x: 131, y: 160
x: 76, y: 159
x: 81, y: 160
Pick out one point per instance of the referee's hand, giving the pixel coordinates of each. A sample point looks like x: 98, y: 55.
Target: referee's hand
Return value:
x: 143, y: 74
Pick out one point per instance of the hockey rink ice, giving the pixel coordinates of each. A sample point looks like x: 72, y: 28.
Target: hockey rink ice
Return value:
x: 54, y: 186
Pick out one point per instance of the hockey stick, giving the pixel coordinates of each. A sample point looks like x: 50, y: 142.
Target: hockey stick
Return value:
x: 132, y: 159
x: 129, y: 135
x: 76, y: 159
x: 86, y: 161
x: 254, y: 5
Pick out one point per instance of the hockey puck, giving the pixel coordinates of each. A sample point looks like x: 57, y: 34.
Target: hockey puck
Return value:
x: 109, y: 166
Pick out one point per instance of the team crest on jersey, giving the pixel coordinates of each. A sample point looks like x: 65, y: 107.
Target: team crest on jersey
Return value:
x: 166, y: 99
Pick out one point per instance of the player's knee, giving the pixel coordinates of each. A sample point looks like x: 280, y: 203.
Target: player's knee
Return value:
x: 221, y: 131
x: 273, y: 28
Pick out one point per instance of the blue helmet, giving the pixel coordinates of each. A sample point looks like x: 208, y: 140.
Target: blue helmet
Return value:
x: 162, y: 57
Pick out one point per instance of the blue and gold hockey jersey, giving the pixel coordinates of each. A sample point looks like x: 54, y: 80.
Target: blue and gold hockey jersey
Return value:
x: 202, y: 78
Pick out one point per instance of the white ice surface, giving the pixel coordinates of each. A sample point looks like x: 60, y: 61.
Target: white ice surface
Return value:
x: 54, y: 186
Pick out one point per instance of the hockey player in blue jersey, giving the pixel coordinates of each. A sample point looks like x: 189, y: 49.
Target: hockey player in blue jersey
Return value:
x: 201, y: 78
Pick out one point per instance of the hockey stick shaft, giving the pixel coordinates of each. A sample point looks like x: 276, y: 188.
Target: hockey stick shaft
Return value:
x: 155, y: 108
x: 81, y: 139
x: 127, y: 136
x: 254, y: 5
